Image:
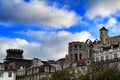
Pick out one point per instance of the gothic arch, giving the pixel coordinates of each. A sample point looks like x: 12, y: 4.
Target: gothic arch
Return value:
x: 88, y: 41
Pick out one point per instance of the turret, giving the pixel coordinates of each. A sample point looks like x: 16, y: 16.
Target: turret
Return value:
x: 14, y: 54
x: 104, y: 36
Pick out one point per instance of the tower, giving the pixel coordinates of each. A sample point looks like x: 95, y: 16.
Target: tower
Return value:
x: 15, y: 58
x: 77, y: 51
x: 104, y: 36
x: 13, y: 54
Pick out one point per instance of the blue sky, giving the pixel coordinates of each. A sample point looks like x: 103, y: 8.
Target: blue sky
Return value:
x: 43, y: 28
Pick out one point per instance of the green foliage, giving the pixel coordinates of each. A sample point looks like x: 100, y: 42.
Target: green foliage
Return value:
x: 43, y: 78
x: 107, y: 74
x: 66, y: 74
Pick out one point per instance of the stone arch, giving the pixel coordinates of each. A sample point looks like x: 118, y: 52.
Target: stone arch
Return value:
x: 88, y: 41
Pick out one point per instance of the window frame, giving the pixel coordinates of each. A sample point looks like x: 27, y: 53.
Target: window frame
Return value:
x: 1, y: 73
x: 9, y: 74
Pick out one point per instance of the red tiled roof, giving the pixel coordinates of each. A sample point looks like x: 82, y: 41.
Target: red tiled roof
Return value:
x: 9, y: 67
x: 46, y: 65
x: 61, y: 61
x: 28, y: 65
x: 42, y: 67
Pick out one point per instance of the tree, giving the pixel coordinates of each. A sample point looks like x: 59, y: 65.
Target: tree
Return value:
x: 66, y: 74
x: 108, y: 74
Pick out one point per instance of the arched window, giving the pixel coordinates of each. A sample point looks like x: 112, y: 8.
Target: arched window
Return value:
x: 76, y: 57
x: 75, y: 46
x: 80, y: 56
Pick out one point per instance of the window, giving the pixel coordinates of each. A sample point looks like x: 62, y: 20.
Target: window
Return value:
x: 102, y: 58
x: 52, y: 69
x: 76, y: 57
x: 80, y: 46
x: 75, y: 46
x: 1, y: 67
x: 107, y: 57
x: 1, y: 73
x: 80, y: 56
x: 115, y: 55
x: 101, y: 49
x: 9, y: 74
x: 97, y: 59
x: 46, y: 69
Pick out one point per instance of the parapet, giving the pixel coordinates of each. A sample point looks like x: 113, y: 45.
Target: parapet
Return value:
x: 14, y: 53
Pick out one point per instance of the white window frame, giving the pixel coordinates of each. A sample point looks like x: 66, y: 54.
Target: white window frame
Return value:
x: 52, y: 69
x: 1, y: 73
x: 46, y: 69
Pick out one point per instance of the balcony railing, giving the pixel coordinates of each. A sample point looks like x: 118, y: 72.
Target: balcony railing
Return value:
x: 109, y: 60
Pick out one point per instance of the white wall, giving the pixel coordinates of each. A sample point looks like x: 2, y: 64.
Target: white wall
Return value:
x: 57, y: 66
x: 109, y: 52
x: 37, y: 62
x: 5, y: 76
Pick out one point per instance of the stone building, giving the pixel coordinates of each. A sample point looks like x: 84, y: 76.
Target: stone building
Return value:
x: 106, y: 50
x: 78, y: 51
x: 106, y: 40
x: 87, y: 50
x: 107, y: 57
x: 37, y: 71
x: 7, y: 72
x: 15, y: 57
x: 24, y: 69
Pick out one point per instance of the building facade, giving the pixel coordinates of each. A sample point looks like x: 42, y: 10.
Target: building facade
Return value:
x: 7, y: 72
x: 78, y: 51
x: 106, y: 40
x: 15, y: 58
x: 108, y: 53
x: 35, y: 73
x: 88, y: 50
x: 38, y: 70
x: 107, y: 47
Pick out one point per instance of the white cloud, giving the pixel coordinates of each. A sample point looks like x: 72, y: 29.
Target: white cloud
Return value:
x: 103, y: 8
x: 30, y: 49
x: 53, y: 46
x: 110, y: 23
x: 36, y: 12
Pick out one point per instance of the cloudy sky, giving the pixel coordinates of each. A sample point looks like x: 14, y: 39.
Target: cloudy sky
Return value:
x: 43, y: 28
